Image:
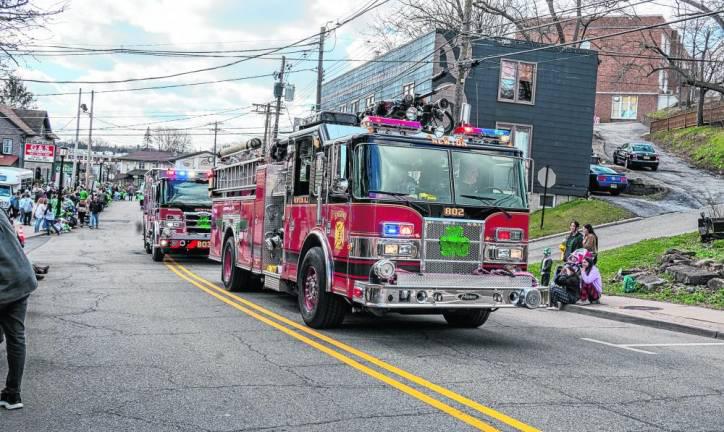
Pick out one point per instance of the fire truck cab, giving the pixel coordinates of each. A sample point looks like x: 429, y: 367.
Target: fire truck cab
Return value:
x: 176, y: 212
x: 378, y: 217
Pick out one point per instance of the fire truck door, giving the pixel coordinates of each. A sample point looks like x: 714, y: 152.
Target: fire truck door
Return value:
x: 299, y: 216
x: 337, y: 213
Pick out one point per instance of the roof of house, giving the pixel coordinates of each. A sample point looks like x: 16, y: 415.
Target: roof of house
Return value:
x: 37, y: 120
x: 10, y: 114
x: 149, y: 156
x: 188, y: 155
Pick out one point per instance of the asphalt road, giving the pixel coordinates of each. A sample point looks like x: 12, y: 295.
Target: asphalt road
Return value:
x: 689, y: 188
x: 119, y: 343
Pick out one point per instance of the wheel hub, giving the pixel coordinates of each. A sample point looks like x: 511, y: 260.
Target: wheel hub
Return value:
x: 311, y: 289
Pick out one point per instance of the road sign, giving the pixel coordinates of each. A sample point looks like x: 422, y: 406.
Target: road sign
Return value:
x: 35, y: 152
x: 546, y: 181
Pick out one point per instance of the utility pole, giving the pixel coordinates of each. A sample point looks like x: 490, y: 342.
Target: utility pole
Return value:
x: 216, y: 130
x: 77, y: 131
x: 464, y: 57
x: 267, y: 114
x: 89, y: 164
x: 278, y: 93
x: 320, y: 68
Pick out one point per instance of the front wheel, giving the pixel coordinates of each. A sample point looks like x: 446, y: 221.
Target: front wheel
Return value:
x: 234, y: 278
x: 320, y: 309
x: 467, y: 318
x: 156, y: 251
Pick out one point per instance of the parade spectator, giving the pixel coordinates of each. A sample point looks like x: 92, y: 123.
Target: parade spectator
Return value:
x: 95, y: 207
x: 590, y: 241
x: 591, y: 283
x: 17, y: 281
x: 82, y: 211
x: 545, y: 267
x: 15, y: 205
x: 573, y: 241
x: 50, y: 220
x: 566, y: 288
x: 39, y: 212
x: 26, y: 209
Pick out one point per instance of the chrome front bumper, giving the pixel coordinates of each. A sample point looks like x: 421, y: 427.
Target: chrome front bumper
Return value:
x: 452, y: 291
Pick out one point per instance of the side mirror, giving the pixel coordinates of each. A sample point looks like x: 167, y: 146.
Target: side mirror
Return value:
x: 340, y: 186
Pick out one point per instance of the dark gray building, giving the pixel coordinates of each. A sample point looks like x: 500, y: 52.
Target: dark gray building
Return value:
x: 544, y: 95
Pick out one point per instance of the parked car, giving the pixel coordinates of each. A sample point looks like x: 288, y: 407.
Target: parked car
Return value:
x: 604, y: 179
x: 637, y: 154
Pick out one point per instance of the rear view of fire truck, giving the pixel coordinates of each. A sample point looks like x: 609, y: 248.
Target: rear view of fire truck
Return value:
x: 176, y: 213
x: 387, y: 215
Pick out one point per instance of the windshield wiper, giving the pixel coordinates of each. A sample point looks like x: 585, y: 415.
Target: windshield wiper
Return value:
x: 402, y: 197
x: 486, y: 199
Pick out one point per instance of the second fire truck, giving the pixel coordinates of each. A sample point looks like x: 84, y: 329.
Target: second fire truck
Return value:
x: 176, y: 212
x: 377, y: 216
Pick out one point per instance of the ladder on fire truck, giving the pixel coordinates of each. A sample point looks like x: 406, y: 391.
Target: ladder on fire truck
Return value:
x: 237, y: 177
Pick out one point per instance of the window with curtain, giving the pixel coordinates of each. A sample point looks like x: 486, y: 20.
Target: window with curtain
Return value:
x: 521, y: 136
x: 624, y: 107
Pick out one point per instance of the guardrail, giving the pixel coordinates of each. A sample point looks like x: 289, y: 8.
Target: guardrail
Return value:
x: 712, y: 116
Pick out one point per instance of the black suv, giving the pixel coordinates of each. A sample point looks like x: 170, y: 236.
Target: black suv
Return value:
x: 638, y: 154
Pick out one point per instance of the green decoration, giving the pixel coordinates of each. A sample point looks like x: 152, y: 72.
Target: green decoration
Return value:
x: 453, y: 243
x: 204, y: 222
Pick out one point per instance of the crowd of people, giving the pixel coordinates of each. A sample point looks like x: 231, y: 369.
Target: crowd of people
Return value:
x: 578, y: 279
x: 40, y: 208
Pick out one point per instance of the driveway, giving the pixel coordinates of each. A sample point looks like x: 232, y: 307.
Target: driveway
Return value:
x: 689, y: 188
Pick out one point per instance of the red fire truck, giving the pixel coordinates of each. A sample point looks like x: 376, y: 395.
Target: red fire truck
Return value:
x: 377, y: 216
x: 176, y: 212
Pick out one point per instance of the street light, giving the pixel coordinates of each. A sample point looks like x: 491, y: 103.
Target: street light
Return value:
x: 63, y: 153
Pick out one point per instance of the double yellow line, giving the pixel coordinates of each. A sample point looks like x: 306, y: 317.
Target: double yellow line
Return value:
x: 276, y: 321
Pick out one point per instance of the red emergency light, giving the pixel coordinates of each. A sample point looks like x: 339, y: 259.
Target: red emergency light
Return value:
x: 469, y: 130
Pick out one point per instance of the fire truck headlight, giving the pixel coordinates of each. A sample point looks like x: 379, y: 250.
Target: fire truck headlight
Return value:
x: 511, y: 254
x: 384, y: 269
x: 166, y: 232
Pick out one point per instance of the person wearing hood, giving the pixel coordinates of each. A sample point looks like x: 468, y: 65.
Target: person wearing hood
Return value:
x: 17, y: 281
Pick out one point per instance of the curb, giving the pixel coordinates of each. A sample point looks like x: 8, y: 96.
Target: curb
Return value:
x: 621, y: 222
x: 647, y: 322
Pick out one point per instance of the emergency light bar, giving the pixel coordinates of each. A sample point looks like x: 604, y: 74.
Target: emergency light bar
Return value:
x: 499, y: 135
x: 175, y: 174
x: 392, y: 123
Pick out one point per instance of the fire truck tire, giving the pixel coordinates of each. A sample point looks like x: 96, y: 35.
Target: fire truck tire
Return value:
x: 156, y: 253
x: 467, y: 318
x: 320, y: 309
x: 146, y: 245
x: 234, y: 278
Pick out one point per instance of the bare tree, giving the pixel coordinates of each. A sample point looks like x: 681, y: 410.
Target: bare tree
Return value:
x: 171, y: 140
x: 147, y: 139
x: 15, y: 94
x: 18, y: 19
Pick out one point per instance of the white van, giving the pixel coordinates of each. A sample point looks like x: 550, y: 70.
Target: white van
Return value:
x: 13, y: 180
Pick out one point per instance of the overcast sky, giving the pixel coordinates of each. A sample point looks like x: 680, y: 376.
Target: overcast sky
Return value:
x: 121, y: 118
x: 184, y: 25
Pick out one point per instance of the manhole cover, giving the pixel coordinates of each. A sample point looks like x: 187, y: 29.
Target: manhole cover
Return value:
x: 641, y: 308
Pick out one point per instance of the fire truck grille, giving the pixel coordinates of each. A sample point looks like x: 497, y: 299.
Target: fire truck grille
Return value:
x: 198, y: 222
x: 452, y: 246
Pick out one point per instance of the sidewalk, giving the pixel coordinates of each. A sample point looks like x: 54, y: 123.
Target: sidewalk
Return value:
x: 667, y: 316
x: 614, y: 236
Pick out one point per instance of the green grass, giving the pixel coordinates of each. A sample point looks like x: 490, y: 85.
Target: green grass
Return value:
x: 662, y: 114
x: 558, y: 219
x: 644, y: 255
x: 703, y: 146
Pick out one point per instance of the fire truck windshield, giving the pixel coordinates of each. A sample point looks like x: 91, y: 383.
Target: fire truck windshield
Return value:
x: 425, y: 174
x: 187, y: 192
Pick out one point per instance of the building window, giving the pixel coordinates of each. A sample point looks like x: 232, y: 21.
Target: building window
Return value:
x: 408, y: 89
x: 624, y: 107
x: 517, y: 82
x: 7, y: 146
x: 369, y: 101
x: 521, y: 136
x: 342, y: 108
x: 586, y: 45
x: 141, y: 165
x: 354, y: 107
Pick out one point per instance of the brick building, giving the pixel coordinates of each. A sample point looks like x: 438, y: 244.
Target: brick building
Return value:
x: 628, y: 85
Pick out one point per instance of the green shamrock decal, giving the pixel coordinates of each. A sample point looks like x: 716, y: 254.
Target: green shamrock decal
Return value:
x: 204, y: 222
x: 453, y: 243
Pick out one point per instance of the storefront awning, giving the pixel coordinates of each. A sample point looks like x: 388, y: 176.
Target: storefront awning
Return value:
x: 8, y: 160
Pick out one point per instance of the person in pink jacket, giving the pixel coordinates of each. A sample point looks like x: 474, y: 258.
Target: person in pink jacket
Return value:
x: 591, y: 283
